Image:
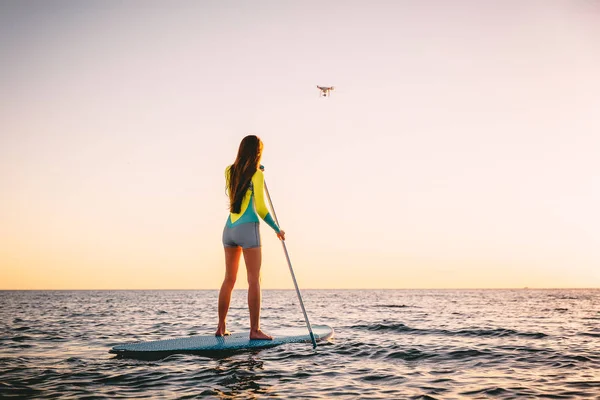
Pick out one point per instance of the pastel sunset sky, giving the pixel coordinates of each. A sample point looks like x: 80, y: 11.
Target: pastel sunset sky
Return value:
x: 459, y: 149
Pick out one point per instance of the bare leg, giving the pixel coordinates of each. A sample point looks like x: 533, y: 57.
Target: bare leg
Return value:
x: 253, y: 259
x: 232, y: 263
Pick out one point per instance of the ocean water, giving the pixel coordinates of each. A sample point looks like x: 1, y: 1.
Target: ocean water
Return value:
x: 396, y: 344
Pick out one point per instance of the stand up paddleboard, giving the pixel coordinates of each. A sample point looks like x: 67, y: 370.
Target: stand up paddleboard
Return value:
x: 234, y: 342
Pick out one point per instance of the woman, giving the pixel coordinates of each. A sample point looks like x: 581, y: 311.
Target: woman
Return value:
x: 245, y: 186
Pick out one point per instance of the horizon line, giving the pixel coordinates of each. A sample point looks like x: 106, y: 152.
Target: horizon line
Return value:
x: 291, y: 289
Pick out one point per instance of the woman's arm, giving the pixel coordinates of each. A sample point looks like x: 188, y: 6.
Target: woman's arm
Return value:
x: 258, y: 180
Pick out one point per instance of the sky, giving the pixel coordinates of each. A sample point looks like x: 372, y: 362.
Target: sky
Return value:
x: 459, y: 148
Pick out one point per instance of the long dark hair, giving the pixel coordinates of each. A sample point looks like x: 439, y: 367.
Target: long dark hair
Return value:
x: 242, y: 170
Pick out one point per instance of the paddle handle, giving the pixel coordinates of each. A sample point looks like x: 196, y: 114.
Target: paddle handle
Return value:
x: 287, y: 257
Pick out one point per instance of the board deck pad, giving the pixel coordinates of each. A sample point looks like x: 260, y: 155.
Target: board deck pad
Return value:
x: 233, y: 342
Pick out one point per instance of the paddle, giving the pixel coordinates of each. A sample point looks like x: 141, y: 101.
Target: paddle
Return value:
x: 312, y: 336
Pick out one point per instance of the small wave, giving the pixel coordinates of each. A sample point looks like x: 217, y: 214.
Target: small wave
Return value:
x: 590, y: 334
x: 399, y: 327
x: 493, y: 391
x: 120, y: 378
x: 564, y: 297
x: 21, y: 338
x: 497, y: 332
x: 471, y: 353
x: 584, y: 384
x: 378, y: 377
x: 409, y: 355
x: 579, y: 358
x: 354, y: 347
x: 6, y: 389
x: 392, y: 305
x: 22, y: 328
x: 525, y: 349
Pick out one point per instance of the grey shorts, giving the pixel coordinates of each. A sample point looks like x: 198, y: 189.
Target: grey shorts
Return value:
x: 245, y: 235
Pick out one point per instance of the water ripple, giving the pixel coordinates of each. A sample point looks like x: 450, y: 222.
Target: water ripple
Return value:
x: 496, y: 332
x: 424, y: 344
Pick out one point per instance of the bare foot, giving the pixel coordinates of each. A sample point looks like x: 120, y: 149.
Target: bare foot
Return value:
x: 260, y: 335
x: 222, y: 332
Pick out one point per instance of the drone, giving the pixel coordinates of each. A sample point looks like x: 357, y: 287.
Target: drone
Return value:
x: 325, y: 90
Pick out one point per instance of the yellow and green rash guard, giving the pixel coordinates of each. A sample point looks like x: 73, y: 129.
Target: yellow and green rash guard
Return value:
x: 253, y: 203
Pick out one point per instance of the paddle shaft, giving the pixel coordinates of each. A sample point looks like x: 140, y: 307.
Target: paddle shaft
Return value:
x: 287, y: 257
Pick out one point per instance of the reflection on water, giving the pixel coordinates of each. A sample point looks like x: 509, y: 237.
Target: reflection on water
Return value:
x: 246, y: 377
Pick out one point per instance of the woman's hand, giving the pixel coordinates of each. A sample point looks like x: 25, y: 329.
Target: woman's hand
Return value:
x: 281, y: 235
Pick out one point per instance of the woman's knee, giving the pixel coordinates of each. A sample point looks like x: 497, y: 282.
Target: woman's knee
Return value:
x: 254, y: 278
x: 229, y: 280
